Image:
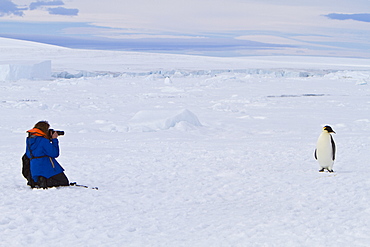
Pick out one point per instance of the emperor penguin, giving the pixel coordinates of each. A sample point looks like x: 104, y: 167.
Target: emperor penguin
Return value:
x: 325, y: 149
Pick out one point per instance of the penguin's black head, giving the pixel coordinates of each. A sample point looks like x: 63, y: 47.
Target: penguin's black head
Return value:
x: 328, y: 129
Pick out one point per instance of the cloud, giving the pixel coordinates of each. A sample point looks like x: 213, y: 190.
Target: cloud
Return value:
x: 356, y: 17
x: 7, y: 7
x: 38, y: 4
x: 62, y: 11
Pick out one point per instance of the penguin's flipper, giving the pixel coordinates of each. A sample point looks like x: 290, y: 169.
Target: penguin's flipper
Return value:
x: 315, y: 154
x: 333, y: 146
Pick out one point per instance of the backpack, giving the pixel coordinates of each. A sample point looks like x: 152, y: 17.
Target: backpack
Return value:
x: 26, y: 171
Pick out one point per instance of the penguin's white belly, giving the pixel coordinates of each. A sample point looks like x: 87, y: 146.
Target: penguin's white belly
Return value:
x: 324, y: 152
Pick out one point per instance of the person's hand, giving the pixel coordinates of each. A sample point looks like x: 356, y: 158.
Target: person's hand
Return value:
x: 54, y: 135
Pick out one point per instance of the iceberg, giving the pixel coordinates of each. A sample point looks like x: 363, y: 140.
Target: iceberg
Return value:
x: 17, y: 70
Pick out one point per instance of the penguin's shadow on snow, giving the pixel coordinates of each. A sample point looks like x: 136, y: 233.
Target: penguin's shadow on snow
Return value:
x: 341, y: 172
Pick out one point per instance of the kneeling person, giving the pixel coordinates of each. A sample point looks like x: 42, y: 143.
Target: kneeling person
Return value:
x: 42, y: 147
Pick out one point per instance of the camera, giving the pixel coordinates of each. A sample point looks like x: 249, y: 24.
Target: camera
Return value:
x: 59, y: 132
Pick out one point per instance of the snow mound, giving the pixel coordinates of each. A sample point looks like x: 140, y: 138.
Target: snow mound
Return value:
x: 14, y: 71
x: 9, y: 43
x: 156, y: 120
x: 168, y: 81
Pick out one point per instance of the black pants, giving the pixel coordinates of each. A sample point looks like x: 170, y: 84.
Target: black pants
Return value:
x: 55, y: 181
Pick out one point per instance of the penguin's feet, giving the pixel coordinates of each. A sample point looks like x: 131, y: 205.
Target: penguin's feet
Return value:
x: 330, y: 170
x: 322, y: 170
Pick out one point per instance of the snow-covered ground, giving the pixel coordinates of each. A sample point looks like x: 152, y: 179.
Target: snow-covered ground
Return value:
x: 188, y: 151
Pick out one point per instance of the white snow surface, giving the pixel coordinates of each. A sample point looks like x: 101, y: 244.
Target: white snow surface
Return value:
x: 221, y: 156
x: 155, y: 120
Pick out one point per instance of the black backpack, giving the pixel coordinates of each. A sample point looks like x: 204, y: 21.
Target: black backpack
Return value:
x: 26, y: 170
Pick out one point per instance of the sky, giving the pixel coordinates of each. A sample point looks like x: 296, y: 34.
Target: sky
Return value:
x: 200, y: 27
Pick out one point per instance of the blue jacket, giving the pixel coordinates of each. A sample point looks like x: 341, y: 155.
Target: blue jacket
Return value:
x: 45, y: 166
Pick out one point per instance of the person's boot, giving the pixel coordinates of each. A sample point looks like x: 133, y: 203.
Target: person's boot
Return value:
x: 42, y: 182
